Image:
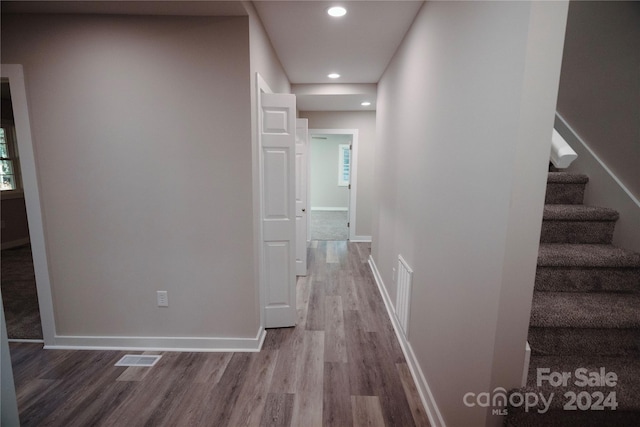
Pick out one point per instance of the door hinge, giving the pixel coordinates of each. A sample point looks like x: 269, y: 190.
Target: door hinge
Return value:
x: 348, y: 225
x: 350, y: 146
x: 349, y: 186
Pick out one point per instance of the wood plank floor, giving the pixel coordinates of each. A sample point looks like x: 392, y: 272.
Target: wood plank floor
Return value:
x: 340, y: 366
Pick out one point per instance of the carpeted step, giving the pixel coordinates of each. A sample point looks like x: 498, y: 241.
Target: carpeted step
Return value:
x: 565, y: 188
x: 585, y: 323
x: 625, y: 391
x: 581, y: 255
x: 587, y: 268
x: 578, y: 224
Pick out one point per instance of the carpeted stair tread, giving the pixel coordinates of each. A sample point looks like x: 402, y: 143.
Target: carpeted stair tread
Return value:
x: 578, y: 213
x: 585, y: 313
x: 627, y: 370
x: 586, y: 255
x: 585, y: 310
x: 587, y: 279
x: 567, y: 178
x: 626, y: 391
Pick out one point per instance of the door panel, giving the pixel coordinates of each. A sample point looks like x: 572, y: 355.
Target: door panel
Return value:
x: 276, y: 201
x: 302, y: 149
x: 277, y: 145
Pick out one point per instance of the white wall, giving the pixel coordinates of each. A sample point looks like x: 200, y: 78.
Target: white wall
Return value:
x: 142, y: 133
x: 324, y: 188
x: 365, y: 122
x: 599, y: 85
x: 264, y: 59
x: 599, y: 109
x: 465, y: 112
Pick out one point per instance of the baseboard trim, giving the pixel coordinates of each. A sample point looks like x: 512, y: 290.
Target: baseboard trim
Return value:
x: 26, y: 340
x: 527, y: 362
x: 428, y: 401
x: 181, y: 344
x: 14, y: 243
x: 330, y: 209
x: 361, y: 239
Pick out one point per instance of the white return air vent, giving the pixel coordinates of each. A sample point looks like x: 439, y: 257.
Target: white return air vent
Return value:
x: 138, y: 360
x: 403, y: 297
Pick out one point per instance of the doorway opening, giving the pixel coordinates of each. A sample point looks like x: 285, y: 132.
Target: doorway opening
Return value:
x: 13, y: 74
x: 331, y: 184
x: 18, y: 284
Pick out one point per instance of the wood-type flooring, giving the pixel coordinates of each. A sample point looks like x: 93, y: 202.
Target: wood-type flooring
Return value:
x: 340, y: 366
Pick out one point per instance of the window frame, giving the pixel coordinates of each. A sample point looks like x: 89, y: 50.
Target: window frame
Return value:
x: 342, y: 149
x: 14, y: 158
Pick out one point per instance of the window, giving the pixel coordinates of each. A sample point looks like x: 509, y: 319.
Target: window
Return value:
x: 8, y: 169
x: 344, y: 164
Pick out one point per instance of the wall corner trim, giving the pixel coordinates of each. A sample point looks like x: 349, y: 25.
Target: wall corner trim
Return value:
x: 428, y: 401
x: 182, y: 344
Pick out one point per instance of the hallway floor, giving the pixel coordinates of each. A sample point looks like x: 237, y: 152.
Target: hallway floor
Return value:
x: 340, y: 366
x: 329, y: 225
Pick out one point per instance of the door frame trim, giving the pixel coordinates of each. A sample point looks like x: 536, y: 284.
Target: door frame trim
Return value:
x: 15, y: 74
x: 353, y: 193
x: 261, y: 87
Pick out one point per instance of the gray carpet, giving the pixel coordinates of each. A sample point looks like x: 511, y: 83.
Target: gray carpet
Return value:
x: 329, y: 225
x: 19, y: 295
x: 585, y: 311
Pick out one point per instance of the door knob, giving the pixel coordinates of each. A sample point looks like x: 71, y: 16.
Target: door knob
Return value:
x: 304, y: 210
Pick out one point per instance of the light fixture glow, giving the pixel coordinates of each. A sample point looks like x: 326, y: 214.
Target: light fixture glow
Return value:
x: 333, y: 75
x: 337, y: 11
x: 365, y: 103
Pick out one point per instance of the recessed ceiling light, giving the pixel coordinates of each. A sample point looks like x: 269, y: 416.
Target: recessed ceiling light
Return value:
x: 365, y: 103
x: 337, y: 11
x: 333, y: 75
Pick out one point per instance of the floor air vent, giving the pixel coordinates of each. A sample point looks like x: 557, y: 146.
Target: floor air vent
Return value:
x: 405, y: 278
x: 138, y: 360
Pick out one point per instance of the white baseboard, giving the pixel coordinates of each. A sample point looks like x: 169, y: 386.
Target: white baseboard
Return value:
x: 184, y: 344
x: 329, y: 209
x: 361, y: 239
x: 14, y: 243
x: 428, y: 401
x: 527, y: 362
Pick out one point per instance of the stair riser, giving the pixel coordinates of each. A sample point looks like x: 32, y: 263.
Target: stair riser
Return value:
x: 577, y: 279
x: 564, y: 194
x: 600, y: 232
x: 577, y: 341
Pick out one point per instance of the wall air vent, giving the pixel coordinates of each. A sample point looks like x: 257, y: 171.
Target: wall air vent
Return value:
x: 138, y: 360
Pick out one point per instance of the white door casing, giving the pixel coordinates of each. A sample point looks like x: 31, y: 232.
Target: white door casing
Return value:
x: 302, y: 158
x: 277, y: 124
x: 15, y: 74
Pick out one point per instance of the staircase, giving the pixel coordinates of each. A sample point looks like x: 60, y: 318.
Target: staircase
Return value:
x: 585, y: 314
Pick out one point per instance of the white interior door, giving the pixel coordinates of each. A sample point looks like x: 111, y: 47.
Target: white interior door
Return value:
x: 302, y: 158
x: 277, y: 145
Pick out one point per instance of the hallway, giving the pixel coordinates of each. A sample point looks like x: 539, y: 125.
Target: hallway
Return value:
x: 340, y: 366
